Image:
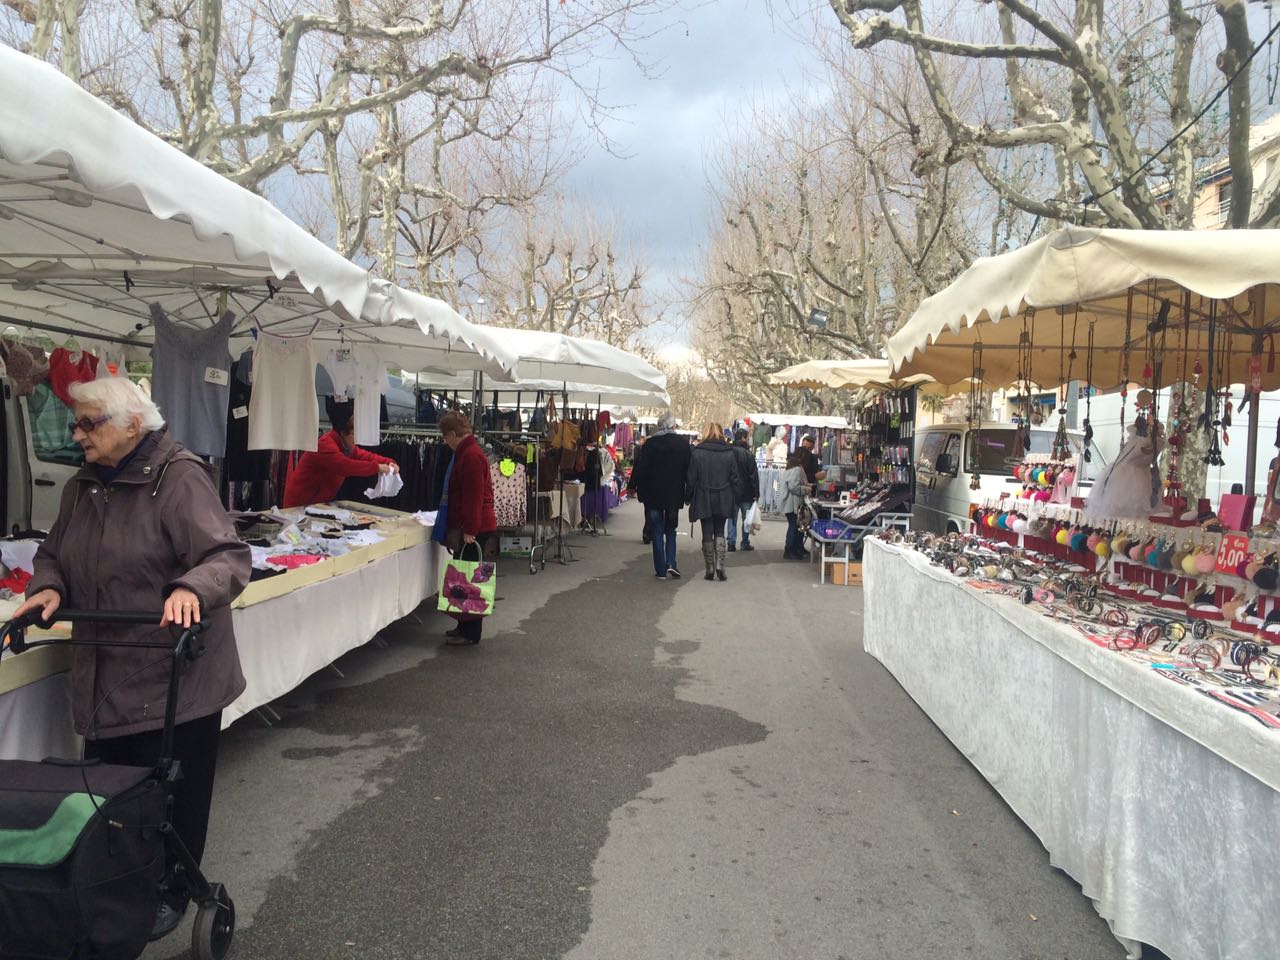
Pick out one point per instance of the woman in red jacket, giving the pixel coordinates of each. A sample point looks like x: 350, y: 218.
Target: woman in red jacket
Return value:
x: 470, y: 516
x: 320, y: 474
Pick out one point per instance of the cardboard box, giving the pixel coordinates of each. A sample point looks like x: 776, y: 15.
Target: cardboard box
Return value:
x: 515, y: 546
x: 845, y: 575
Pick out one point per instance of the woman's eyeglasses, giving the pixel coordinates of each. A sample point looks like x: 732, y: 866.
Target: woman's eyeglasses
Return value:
x: 89, y: 424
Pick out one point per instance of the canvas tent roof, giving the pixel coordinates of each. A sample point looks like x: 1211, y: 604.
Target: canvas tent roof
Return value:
x: 99, y: 219
x: 1120, y: 280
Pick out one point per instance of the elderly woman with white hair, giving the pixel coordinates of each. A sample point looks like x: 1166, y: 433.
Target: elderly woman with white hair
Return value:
x: 140, y: 527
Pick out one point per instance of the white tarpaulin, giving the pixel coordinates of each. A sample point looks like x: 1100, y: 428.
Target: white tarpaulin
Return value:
x: 557, y: 358
x: 528, y: 390
x: 99, y: 219
x: 1120, y: 280
x: 832, y: 374
x: 798, y: 420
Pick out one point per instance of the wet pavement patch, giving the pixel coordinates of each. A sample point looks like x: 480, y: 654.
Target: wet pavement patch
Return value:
x: 480, y: 843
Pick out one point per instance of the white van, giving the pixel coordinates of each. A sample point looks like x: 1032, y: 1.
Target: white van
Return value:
x: 39, y: 458
x: 946, y: 454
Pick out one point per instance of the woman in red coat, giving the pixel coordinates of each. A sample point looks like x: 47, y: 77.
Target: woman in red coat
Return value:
x: 470, y: 516
x: 320, y: 474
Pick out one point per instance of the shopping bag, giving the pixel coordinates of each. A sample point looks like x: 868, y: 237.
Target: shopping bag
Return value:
x: 753, y: 518
x: 467, y: 586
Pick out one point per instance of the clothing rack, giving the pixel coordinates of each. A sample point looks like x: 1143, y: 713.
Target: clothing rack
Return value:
x: 540, y: 542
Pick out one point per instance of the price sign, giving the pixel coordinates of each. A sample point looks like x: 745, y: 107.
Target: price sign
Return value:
x: 1233, y: 549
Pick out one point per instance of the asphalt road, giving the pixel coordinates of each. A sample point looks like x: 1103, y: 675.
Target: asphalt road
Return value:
x: 628, y: 768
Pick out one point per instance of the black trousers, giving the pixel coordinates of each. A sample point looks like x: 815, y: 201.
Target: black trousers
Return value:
x: 195, y: 746
x: 712, y: 527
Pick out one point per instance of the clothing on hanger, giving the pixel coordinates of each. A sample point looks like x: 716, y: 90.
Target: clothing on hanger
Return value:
x: 191, y: 381
x: 67, y: 367
x: 25, y: 365
x: 283, y: 412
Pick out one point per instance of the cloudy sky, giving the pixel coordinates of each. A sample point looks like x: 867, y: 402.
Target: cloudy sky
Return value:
x: 715, y: 60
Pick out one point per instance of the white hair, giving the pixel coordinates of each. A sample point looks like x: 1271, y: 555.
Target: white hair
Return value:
x: 120, y: 399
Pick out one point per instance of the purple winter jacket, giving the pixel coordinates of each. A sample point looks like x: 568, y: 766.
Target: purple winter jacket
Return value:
x: 127, y: 546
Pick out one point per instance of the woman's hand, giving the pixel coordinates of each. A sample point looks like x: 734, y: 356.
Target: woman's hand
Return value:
x: 468, y: 538
x: 182, y: 609
x: 387, y: 468
x: 46, y: 601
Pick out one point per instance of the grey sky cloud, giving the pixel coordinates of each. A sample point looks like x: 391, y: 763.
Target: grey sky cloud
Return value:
x: 712, y: 61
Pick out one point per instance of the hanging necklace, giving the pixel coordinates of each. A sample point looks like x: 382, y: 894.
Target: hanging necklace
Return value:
x: 1088, y: 398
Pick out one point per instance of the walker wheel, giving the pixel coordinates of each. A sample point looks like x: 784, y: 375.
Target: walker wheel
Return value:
x: 214, y: 927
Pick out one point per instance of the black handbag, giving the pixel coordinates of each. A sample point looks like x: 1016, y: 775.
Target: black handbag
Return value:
x: 81, y: 859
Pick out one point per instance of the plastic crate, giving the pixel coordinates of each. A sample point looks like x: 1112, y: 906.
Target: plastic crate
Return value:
x: 831, y: 529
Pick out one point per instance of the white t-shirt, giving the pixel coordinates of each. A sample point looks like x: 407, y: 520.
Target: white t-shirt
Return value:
x: 283, y: 412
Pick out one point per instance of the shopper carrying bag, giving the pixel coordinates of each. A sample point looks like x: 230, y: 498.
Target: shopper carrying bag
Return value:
x: 469, y: 520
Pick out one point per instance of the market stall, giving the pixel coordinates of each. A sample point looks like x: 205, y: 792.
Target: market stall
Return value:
x: 1108, y: 657
x: 131, y: 250
x: 1153, y: 783
x: 290, y: 624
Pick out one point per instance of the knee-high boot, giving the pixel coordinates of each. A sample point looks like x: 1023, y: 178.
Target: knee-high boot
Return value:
x: 709, y: 557
x: 722, y: 549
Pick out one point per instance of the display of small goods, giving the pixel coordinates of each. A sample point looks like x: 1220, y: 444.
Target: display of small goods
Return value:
x: 1045, y: 479
x: 1170, y: 604
x: 881, y: 445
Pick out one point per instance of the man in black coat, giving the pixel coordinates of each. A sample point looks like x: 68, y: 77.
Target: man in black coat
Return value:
x: 659, y: 479
x: 750, y: 475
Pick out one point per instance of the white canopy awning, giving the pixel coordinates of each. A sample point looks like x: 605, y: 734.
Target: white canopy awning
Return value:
x: 592, y: 364
x: 99, y: 219
x: 832, y: 374
x: 578, y: 393
x: 798, y: 420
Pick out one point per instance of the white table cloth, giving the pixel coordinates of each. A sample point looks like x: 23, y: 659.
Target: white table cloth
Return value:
x: 284, y: 640
x: 1162, y: 804
x: 281, y: 641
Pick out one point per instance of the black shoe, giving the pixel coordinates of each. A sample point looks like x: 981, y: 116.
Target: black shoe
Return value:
x: 167, y: 919
x: 452, y: 633
x: 660, y: 576
x: 458, y: 640
x: 721, y: 576
x: 673, y: 573
x: 732, y: 548
x: 746, y: 545
x: 647, y: 541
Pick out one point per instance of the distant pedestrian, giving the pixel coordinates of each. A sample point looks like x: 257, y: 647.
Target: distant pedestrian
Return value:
x: 659, y: 478
x: 714, y: 490
x: 809, y: 460
x: 750, y: 476
x: 795, y: 487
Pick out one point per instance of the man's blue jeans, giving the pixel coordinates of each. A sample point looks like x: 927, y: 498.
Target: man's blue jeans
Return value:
x: 662, y: 527
x: 739, y: 511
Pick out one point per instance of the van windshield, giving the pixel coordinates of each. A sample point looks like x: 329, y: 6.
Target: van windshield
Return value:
x: 991, y: 451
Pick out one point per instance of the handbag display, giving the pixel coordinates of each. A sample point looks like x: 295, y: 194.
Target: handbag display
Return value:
x: 467, y: 587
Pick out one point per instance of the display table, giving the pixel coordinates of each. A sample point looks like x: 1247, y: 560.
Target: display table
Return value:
x: 287, y: 628
x: 1161, y: 803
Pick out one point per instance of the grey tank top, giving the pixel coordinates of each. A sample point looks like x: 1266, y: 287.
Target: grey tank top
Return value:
x: 194, y: 408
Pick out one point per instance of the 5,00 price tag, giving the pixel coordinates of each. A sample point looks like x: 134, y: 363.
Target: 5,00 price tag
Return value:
x: 1234, y: 548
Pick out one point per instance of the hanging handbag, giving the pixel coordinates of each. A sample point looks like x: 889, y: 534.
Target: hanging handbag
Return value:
x: 467, y: 587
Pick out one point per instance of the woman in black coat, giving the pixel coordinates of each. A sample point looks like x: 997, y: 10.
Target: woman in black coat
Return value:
x: 713, y: 489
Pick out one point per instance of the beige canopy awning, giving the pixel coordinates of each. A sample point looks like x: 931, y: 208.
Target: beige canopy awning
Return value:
x: 1146, y: 298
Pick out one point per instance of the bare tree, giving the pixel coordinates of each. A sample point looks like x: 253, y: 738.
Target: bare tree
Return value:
x: 1108, y: 98
x: 567, y: 274
x: 414, y: 119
